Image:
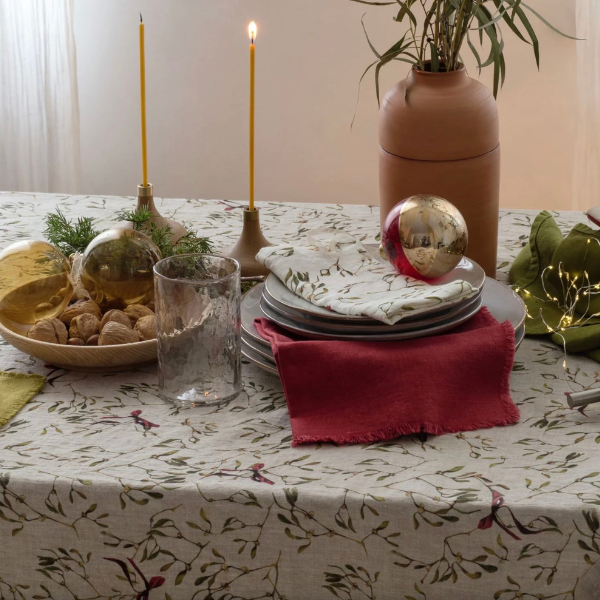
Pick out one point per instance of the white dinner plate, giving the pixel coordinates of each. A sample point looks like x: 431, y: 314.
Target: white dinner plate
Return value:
x: 257, y: 359
x: 502, y: 302
x: 316, y: 333
x: 367, y: 327
x: 519, y: 336
x: 251, y: 310
x: 268, y: 362
x: 264, y: 351
x: 265, y: 359
x: 466, y: 270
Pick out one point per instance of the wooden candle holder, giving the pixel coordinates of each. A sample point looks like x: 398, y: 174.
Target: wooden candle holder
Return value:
x: 146, y: 200
x: 250, y: 242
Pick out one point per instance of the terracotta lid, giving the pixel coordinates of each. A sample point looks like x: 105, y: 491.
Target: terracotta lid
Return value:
x: 438, y: 116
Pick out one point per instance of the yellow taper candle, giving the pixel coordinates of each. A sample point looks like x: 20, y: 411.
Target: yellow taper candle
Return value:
x: 143, y: 104
x: 252, y: 34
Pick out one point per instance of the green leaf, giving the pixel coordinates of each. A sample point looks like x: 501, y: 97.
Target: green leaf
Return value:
x: 362, y: 22
x: 509, y: 20
x: 406, y: 12
x: 435, y: 61
x: 397, y: 49
x: 203, y: 515
x: 493, y: 19
x: 537, y: 14
x: 454, y: 469
x: 373, y: 3
x: 530, y: 31
x: 489, y: 568
x: 497, y: 47
x: 517, y: 3
x: 291, y: 495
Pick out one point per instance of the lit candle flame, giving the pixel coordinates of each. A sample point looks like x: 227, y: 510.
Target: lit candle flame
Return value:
x: 252, y: 31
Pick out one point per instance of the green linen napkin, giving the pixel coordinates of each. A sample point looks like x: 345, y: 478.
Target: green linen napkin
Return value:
x: 575, y: 255
x: 16, y: 390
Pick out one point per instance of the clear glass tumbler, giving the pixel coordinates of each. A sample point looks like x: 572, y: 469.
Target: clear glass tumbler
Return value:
x: 197, y: 300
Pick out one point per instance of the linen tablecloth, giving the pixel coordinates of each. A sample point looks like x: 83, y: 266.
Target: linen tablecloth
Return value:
x: 215, y: 503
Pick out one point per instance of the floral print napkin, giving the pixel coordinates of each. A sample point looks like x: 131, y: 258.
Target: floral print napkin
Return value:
x: 337, y: 272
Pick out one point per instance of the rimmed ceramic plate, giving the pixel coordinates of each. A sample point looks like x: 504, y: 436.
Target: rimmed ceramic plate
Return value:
x: 366, y: 327
x: 257, y: 359
x: 264, y: 350
x: 92, y: 359
x: 466, y: 270
x: 502, y: 302
x: 519, y: 336
x: 316, y: 333
x: 267, y: 362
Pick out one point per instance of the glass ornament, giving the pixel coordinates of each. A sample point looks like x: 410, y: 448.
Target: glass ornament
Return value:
x: 117, y: 268
x: 35, y: 283
x: 424, y: 237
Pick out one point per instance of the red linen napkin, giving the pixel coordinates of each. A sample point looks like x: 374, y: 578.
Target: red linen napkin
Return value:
x: 361, y: 392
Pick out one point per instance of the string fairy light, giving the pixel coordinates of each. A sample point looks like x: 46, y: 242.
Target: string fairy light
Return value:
x: 571, y: 294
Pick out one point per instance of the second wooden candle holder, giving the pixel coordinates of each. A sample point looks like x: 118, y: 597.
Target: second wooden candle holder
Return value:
x: 250, y: 242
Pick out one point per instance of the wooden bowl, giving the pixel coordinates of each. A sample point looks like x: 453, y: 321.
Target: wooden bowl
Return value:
x: 93, y: 359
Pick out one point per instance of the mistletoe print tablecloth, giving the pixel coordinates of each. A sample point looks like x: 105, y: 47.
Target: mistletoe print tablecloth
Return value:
x: 107, y: 492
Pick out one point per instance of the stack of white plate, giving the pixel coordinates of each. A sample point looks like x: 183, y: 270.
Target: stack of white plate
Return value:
x: 277, y: 303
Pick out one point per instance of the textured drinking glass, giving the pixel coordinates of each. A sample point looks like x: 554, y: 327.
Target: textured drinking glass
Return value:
x: 197, y: 303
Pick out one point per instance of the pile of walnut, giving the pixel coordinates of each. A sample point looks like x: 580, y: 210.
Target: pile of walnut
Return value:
x: 83, y: 324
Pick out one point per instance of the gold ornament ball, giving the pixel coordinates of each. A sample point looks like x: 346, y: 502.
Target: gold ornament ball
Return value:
x: 117, y: 268
x: 424, y: 236
x: 35, y: 283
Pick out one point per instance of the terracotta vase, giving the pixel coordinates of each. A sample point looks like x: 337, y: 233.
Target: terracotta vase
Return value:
x: 438, y: 134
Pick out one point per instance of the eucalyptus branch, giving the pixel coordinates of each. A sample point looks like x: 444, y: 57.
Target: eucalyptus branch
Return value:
x: 445, y: 26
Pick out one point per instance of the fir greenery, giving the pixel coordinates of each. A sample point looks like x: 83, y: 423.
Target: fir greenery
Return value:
x: 190, y: 243
x: 70, y: 237
x: 67, y: 236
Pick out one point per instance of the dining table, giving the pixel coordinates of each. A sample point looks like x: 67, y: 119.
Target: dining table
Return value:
x: 108, y: 492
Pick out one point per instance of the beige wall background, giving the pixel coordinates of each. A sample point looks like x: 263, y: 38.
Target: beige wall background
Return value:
x: 310, y: 55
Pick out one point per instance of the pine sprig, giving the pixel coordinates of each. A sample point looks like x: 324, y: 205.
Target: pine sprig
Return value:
x: 67, y: 236
x: 190, y: 243
x: 70, y: 237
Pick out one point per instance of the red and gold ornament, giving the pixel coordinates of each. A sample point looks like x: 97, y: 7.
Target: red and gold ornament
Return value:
x: 424, y: 237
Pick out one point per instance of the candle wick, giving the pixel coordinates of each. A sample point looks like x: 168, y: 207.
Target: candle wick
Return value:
x: 141, y: 20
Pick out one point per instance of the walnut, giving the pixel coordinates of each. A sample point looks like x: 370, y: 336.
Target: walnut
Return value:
x: 74, y: 341
x: 115, y: 315
x: 80, y: 308
x: 93, y: 341
x: 49, y: 330
x: 117, y: 333
x: 137, y: 311
x: 146, y: 327
x: 84, y: 326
